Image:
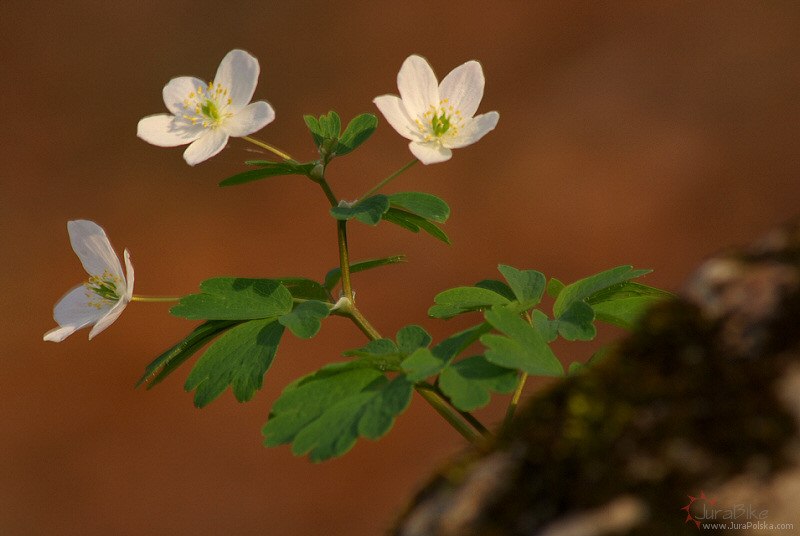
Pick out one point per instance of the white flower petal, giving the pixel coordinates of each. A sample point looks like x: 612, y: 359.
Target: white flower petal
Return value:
x: 90, y: 243
x: 473, y: 130
x: 129, y: 277
x: 238, y: 73
x: 463, y: 88
x: 60, y: 333
x: 417, y: 85
x: 430, y: 153
x: 72, y: 313
x: 165, y: 131
x: 178, y: 90
x: 395, y: 114
x: 108, y: 318
x: 252, y: 118
x: 211, y: 143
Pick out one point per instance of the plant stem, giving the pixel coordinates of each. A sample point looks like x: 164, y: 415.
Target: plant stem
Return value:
x: 328, y: 192
x: 344, y: 259
x: 386, y: 181
x: 268, y: 147
x: 512, y: 407
x: 139, y: 297
x: 455, y: 418
x: 467, y: 425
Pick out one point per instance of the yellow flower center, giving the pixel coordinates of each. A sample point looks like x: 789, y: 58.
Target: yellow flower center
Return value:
x: 207, y: 107
x: 440, y: 121
x: 105, y: 289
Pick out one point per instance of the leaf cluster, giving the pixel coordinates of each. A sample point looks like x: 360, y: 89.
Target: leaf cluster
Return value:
x: 325, y: 412
x: 330, y: 141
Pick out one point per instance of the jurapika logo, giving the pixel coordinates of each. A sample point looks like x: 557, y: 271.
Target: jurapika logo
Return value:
x: 688, y: 507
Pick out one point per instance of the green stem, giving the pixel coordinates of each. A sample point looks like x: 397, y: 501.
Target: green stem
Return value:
x: 467, y: 425
x: 455, y: 418
x: 512, y: 407
x: 386, y: 181
x: 154, y: 299
x: 268, y: 147
x: 344, y: 258
x: 328, y: 192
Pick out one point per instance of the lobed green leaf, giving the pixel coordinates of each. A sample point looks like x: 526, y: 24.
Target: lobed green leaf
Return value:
x: 468, y: 382
x: 523, y: 347
x: 527, y: 285
x: 324, y: 414
x: 424, y: 363
x: 304, y: 289
x: 580, y: 290
x: 239, y: 358
x: 304, y: 320
x: 358, y: 130
x: 623, y: 304
x: 170, y: 360
x: 459, y: 300
x: 234, y: 298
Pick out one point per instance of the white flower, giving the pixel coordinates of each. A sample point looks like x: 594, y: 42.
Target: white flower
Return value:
x: 101, y: 299
x: 437, y: 118
x: 207, y: 115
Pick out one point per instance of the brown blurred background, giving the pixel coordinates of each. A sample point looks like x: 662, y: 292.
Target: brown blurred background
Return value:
x: 644, y: 133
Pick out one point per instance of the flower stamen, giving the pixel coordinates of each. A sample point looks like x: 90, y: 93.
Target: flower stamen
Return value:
x: 105, y: 287
x: 208, y: 106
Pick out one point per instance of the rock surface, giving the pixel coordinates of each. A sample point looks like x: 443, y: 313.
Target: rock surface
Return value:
x: 693, y: 419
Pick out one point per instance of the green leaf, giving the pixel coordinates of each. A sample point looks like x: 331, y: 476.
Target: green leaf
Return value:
x: 623, y: 304
x: 580, y: 290
x: 268, y: 169
x: 330, y: 125
x: 357, y: 132
x: 326, y: 127
x: 304, y: 320
x: 527, y: 285
x: 497, y: 286
x: 424, y: 363
x: 304, y: 289
x: 326, y: 412
x: 234, y: 298
x: 459, y: 300
x: 170, y: 360
x: 577, y: 322
x: 414, y: 223
x: 384, y: 354
x: 468, y: 382
x: 548, y: 328
x: 333, y: 276
x: 239, y: 358
x: 554, y: 287
x: 378, y: 347
x: 369, y: 211
x: 411, y: 338
x: 523, y: 348
x: 424, y: 205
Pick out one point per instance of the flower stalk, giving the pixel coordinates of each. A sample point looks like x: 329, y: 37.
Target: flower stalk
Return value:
x: 386, y: 181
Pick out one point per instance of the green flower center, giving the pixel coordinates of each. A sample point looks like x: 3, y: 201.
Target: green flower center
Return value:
x: 209, y: 109
x: 439, y: 121
x: 108, y: 288
x: 440, y: 124
x: 207, y: 106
